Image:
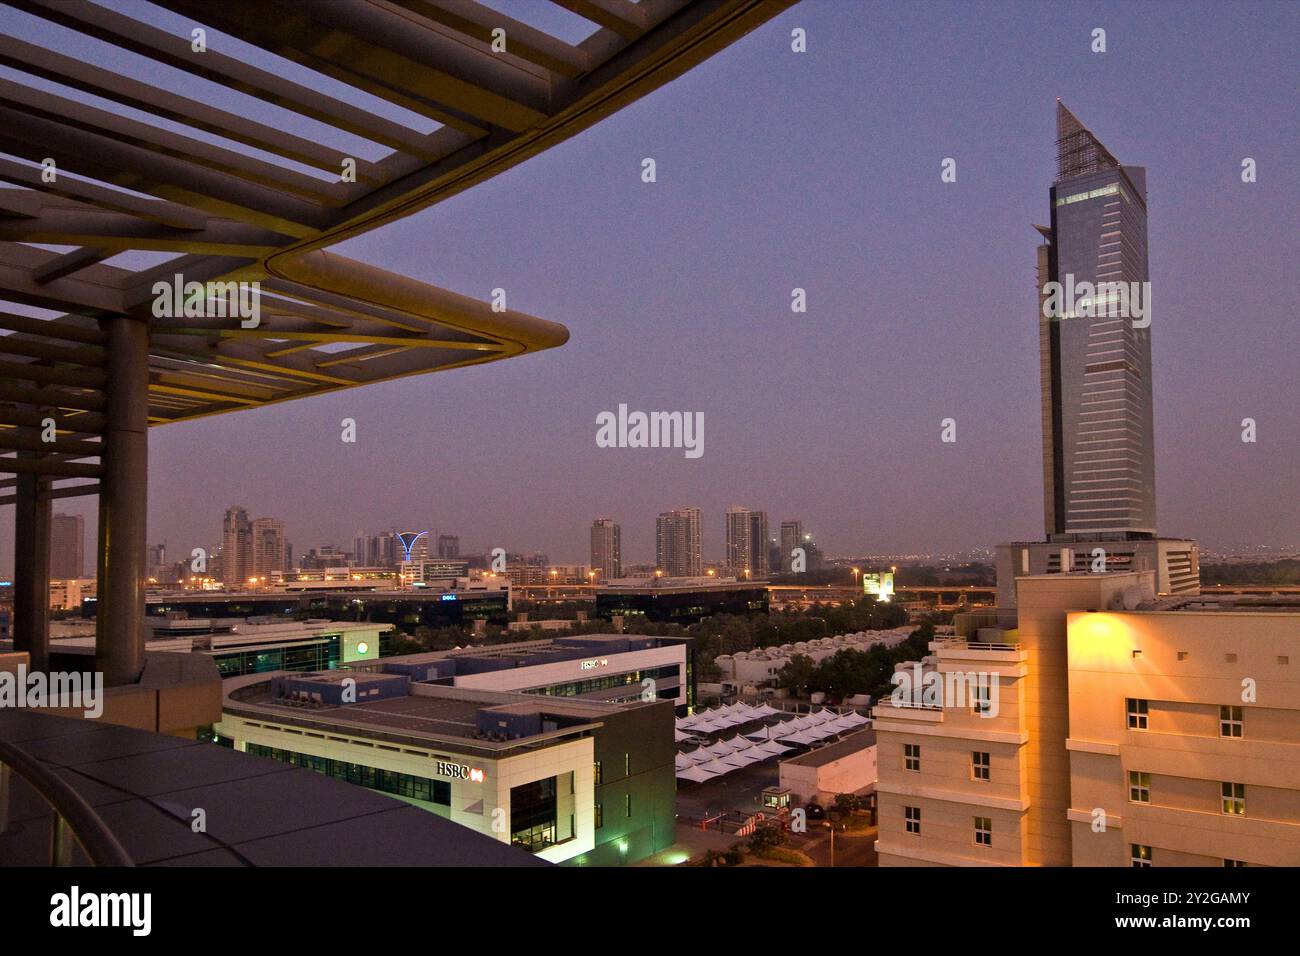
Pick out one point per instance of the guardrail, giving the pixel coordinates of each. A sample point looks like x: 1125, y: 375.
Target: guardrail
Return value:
x: 73, y: 816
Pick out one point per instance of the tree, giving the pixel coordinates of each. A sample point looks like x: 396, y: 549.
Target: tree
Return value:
x: 401, y: 644
x: 797, y: 675
x: 847, y: 803
x: 767, y: 836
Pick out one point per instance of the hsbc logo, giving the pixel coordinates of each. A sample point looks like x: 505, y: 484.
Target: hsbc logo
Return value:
x: 460, y: 771
x: 593, y: 664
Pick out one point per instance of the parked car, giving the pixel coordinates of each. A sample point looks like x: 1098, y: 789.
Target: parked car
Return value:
x: 815, y: 811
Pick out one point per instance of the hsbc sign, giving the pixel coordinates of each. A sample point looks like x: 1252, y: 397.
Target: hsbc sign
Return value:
x: 459, y: 771
x: 594, y: 663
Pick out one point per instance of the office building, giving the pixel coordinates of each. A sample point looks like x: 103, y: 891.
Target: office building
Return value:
x: 791, y: 538
x: 67, y: 546
x: 677, y: 543
x: 68, y: 594
x: 609, y: 668
x: 243, y: 645
x: 568, y: 780
x: 375, y: 551
x: 606, y: 549
x: 448, y: 546
x: 460, y: 604
x: 236, y: 547
x: 433, y: 572
x: 679, y: 600
x: 269, y: 553
x: 156, y: 566
x: 1116, y: 735
x: 747, y: 545
x: 1094, y: 319
x: 1098, y: 434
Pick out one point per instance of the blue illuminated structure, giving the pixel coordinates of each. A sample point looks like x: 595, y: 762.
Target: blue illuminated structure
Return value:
x: 408, y: 539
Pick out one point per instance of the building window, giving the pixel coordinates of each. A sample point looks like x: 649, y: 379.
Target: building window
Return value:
x: 1230, y: 721
x: 600, y: 815
x: 1139, y: 855
x: 980, y: 700
x: 532, y: 815
x: 627, y: 804
x: 979, y: 763
x: 1230, y: 863
x: 912, y: 757
x: 1137, y: 715
x: 1139, y: 786
x: 913, y: 817
x: 596, y: 775
x: 983, y: 831
x: 1234, y: 799
x: 627, y: 764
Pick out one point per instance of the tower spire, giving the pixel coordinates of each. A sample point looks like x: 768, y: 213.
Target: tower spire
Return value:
x: 1078, y: 150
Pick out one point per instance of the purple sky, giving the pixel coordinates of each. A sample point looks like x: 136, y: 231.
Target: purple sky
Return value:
x: 821, y: 170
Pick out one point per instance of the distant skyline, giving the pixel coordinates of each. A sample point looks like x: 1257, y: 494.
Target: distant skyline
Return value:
x: 820, y: 171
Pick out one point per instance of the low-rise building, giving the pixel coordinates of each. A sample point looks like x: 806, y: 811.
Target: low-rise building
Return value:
x: 846, y: 766
x: 1099, y: 724
x: 574, y: 781
x: 679, y: 600
x: 598, y: 667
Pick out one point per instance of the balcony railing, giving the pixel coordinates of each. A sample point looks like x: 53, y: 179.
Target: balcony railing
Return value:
x: 959, y: 642
x: 73, y: 816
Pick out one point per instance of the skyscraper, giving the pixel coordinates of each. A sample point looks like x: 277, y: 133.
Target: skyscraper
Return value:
x: 236, y: 547
x: 268, y: 546
x: 606, y: 549
x: 448, y: 546
x: 677, y: 542
x: 1094, y: 309
x: 1098, y: 442
x: 747, y: 546
x: 67, y: 546
x: 791, y: 538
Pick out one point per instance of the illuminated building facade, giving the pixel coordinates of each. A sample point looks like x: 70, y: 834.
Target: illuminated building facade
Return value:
x: 567, y: 780
x: 1122, y: 734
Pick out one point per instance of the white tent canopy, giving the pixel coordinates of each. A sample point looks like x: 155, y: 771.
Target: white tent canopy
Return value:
x: 716, y: 767
x: 695, y: 774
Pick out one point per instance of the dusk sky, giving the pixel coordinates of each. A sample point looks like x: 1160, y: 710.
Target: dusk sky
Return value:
x: 819, y: 170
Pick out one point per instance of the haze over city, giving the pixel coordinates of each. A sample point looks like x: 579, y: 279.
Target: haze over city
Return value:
x: 920, y: 301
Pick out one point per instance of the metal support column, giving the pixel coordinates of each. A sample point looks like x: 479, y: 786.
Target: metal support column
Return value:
x: 31, y: 626
x: 119, y: 632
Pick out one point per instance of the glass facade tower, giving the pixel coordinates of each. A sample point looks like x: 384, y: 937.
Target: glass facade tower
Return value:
x: 1098, y: 443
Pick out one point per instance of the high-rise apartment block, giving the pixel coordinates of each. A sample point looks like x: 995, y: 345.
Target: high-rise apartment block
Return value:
x: 677, y: 543
x: 268, y: 546
x: 606, y: 549
x: 791, y: 538
x: 747, y: 544
x: 67, y: 547
x: 236, y: 547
